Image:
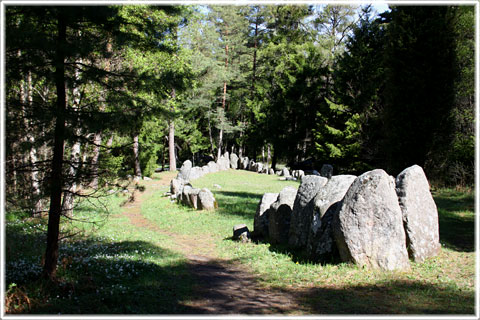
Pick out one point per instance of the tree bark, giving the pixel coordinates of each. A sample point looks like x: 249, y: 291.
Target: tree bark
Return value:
x: 171, y: 139
x: 136, y: 154
x: 37, y: 203
x: 97, y: 140
x: 51, y: 254
x: 224, y: 100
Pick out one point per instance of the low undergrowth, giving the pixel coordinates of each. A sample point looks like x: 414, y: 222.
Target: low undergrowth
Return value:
x: 115, y: 267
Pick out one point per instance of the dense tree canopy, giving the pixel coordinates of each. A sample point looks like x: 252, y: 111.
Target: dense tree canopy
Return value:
x: 97, y: 93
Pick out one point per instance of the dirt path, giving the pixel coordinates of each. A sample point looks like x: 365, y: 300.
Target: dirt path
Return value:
x: 222, y: 287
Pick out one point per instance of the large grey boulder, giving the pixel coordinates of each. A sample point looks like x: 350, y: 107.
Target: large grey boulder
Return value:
x: 223, y: 163
x: 251, y: 165
x: 213, y: 166
x: 368, y: 226
x: 285, y: 172
x: 279, y: 216
x: 326, y: 171
x: 206, y: 200
x: 321, y: 243
x: 185, y: 198
x: 205, y: 170
x: 260, y: 221
x: 259, y: 167
x: 271, y: 171
x: 233, y: 161
x: 419, y: 212
x: 176, y: 185
x: 195, y: 173
x: 193, y: 198
x: 303, y: 210
x: 184, y: 172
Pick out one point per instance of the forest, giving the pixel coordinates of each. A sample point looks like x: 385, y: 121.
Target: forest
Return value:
x: 98, y: 94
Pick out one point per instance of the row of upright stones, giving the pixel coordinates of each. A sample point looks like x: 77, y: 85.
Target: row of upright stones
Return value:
x: 371, y: 220
x: 203, y: 199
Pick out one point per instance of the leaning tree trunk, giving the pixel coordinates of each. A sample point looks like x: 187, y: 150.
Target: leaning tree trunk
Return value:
x: 56, y: 183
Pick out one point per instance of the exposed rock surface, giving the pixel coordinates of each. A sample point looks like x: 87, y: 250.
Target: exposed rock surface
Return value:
x: 260, y: 221
x: 213, y: 166
x: 241, y: 232
x: 285, y: 172
x: 184, y: 172
x: 420, y: 215
x: 176, y: 185
x: 279, y: 215
x: 303, y: 210
x: 368, y: 227
x: 233, y: 161
x: 207, y: 200
x: 223, y: 163
x: 321, y: 244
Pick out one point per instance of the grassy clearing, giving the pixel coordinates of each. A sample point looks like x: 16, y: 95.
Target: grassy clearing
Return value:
x: 444, y: 284
x: 118, y: 267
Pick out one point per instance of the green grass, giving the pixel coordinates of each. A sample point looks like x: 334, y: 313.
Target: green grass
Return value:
x: 116, y: 267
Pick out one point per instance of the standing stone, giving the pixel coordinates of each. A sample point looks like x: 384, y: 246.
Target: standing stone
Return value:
x: 271, y: 171
x: 321, y: 243
x: 186, y: 195
x: 193, y: 198
x: 176, y: 185
x: 195, y: 173
x: 185, y: 170
x: 279, y: 216
x: 260, y: 221
x: 259, y: 167
x: 420, y: 215
x: 244, y: 163
x: 206, y: 170
x: 368, y: 226
x: 207, y: 200
x: 303, y: 209
x: 326, y: 171
x: 285, y: 172
x: 233, y: 161
x: 223, y: 163
x: 301, y: 174
x: 213, y: 166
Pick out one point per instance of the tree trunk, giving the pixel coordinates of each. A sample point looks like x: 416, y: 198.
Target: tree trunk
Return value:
x: 56, y: 183
x: 212, y: 148
x: 224, y: 101
x: 97, y: 140
x: 269, y: 154
x: 136, y: 155
x: 69, y: 196
x: 171, y: 139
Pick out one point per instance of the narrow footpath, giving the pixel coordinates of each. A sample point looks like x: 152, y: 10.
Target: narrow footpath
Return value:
x: 222, y: 286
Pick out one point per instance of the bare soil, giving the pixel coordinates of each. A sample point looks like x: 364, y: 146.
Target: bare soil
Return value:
x: 222, y: 286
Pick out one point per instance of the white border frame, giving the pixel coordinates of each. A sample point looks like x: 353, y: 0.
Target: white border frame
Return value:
x: 4, y: 3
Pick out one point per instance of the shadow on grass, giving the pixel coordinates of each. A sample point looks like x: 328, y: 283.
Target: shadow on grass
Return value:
x: 243, y: 204
x: 97, y: 276
x: 392, y: 297
x: 457, y: 230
